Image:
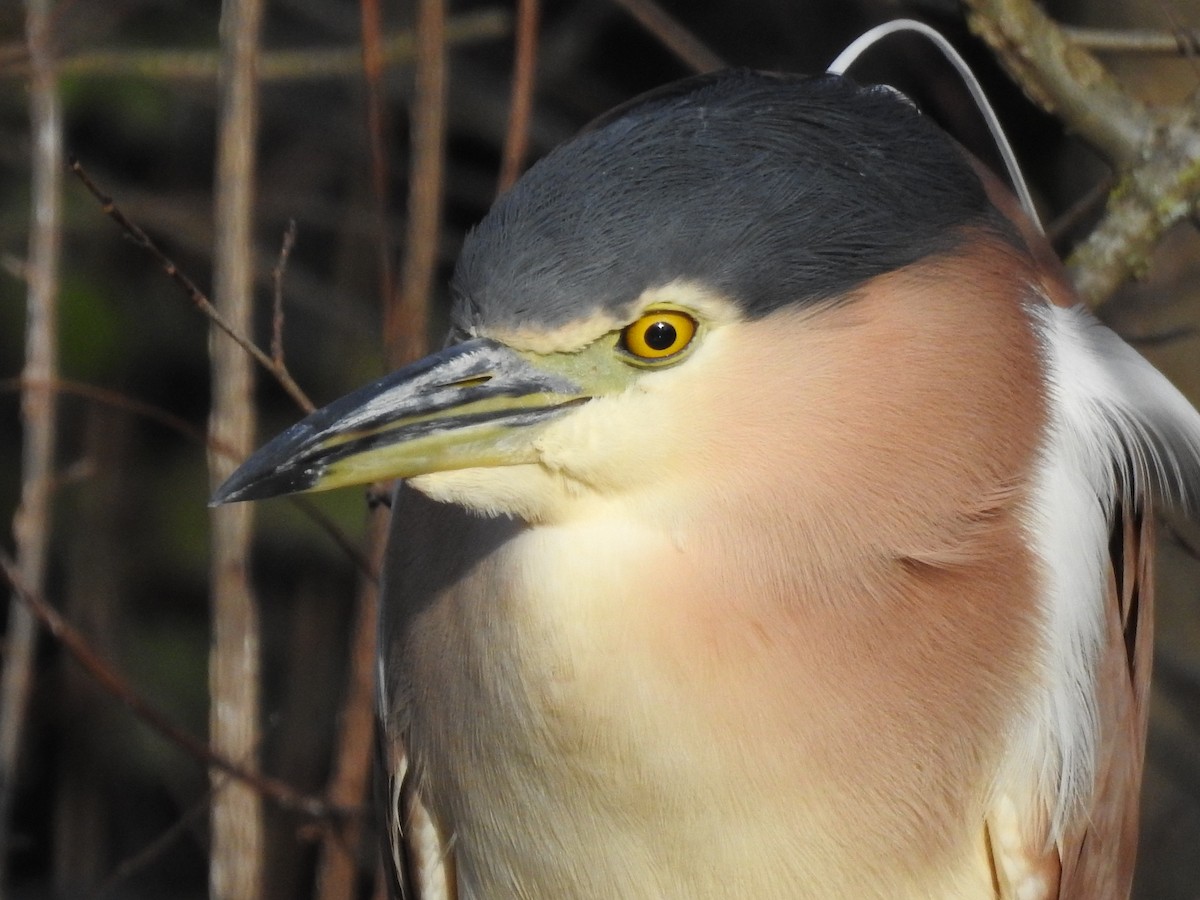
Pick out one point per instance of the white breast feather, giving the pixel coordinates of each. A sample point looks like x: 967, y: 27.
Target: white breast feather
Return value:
x: 1118, y: 430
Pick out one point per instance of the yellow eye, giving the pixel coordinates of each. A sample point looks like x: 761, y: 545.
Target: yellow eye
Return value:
x: 658, y: 334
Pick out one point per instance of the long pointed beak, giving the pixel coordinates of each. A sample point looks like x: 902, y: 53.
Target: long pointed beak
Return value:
x: 473, y: 404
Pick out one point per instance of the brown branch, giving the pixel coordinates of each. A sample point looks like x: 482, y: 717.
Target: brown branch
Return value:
x: 352, y: 753
x: 377, y: 127
x: 156, y: 849
x: 185, y: 428
x: 197, y: 296
x: 31, y: 523
x: 310, y: 63
x: 112, y: 682
x: 407, y: 319
x: 1085, y: 206
x: 516, y: 141
x: 688, y: 48
x: 1062, y: 77
x: 118, y: 401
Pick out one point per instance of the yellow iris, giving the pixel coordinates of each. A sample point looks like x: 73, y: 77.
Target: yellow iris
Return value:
x: 658, y: 334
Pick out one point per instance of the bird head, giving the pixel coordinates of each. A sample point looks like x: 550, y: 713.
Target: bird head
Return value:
x: 659, y: 296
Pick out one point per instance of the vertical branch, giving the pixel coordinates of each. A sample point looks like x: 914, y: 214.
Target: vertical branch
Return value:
x: 372, y: 41
x: 520, y: 107
x: 406, y: 320
x: 236, y: 868
x: 405, y: 329
x: 686, y: 47
x: 349, y: 783
x: 350, y: 779
x: 31, y: 524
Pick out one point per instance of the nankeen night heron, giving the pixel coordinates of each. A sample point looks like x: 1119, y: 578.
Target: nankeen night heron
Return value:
x: 774, y: 524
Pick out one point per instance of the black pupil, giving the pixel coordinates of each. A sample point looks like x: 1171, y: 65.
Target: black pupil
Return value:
x: 660, y: 336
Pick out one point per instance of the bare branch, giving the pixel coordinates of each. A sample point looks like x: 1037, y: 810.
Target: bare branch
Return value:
x: 1157, y: 154
x: 117, y: 401
x: 688, y: 48
x: 31, y: 524
x: 520, y: 108
x: 406, y: 320
x: 1062, y: 77
x: 197, y: 296
x: 356, y: 727
x: 157, y: 848
x: 310, y: 63
x: 377, y: 127
x: 108, y: 678
x: 181, y: 426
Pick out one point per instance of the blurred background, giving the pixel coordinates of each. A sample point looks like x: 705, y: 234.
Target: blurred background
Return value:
x: 103, y: 804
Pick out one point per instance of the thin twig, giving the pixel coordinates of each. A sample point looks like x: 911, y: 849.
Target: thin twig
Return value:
x: 307, y: 64
x: 356, y: 556
x: 353, y: 750
x: 520, y: 108
x: 116, y: 400
x: 107, y: 677
x: 338, y: 853
x: 157, y: 848
x: 1085, y: 206
x: 31, y: 523
x: 134, y: 232
x: 285, y: 251
x: 688, y: 48
x: 181, y: 426
x: 352, y: 753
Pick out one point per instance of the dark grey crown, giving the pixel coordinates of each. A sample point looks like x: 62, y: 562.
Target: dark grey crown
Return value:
x: 769, y: 189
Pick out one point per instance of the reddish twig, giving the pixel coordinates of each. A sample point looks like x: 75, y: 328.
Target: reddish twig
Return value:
x: 338, y: 860
x: 520, y: 109
x: 406, y: 319
x: 197, y: 296
x: 354, y: 747
x: 106, y: 676
x: 688, y: 48
x: 187, y: 430
x: 116, y: 400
